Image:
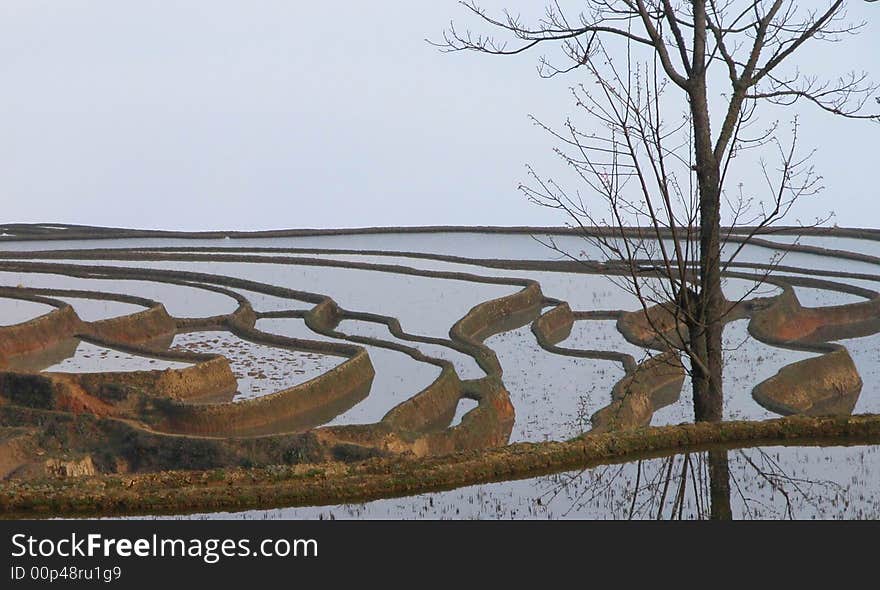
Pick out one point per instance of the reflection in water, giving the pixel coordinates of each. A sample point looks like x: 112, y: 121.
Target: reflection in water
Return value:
x: 719, y: 486
x: 94, y: 358
x: 773, y: 483
x: 761, y: 483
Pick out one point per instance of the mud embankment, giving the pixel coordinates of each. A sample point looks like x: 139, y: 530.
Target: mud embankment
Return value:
x: 335, y: 483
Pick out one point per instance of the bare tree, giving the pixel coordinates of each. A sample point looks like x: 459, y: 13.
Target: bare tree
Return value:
x: 664, y: 181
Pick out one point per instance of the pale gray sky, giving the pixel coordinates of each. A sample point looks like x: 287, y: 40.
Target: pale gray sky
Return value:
x: 267, y: 114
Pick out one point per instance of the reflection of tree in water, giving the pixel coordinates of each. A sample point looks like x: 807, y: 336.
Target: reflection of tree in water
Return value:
x: 706, y: 485
x: 749, y: 483
x: 765, y: 483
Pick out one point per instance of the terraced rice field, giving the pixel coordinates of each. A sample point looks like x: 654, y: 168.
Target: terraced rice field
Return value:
x: 337, y: 348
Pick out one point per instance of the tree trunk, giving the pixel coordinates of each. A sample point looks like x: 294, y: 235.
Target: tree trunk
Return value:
x: 710, y: 301
x: 707, y: 380
x: 719, y: 486
x: 709, y: 304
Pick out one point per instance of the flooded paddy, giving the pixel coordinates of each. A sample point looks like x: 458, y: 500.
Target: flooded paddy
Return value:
x: 424, y: 305
x: 466, y: 366
x: 865, y: 353
x: 16, y: 311
x: 93, y: 310
x: 747, y: 363
x: 824, y: 298
x: 804, y: 483
x: 525, y: 367
x: 180, y: 300
x: 398, y: 376
x: 93, y: 358
x: 259, y: 369
x: 569, y: 390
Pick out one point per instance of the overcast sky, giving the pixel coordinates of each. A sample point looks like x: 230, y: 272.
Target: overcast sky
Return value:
x: 270, y: 114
